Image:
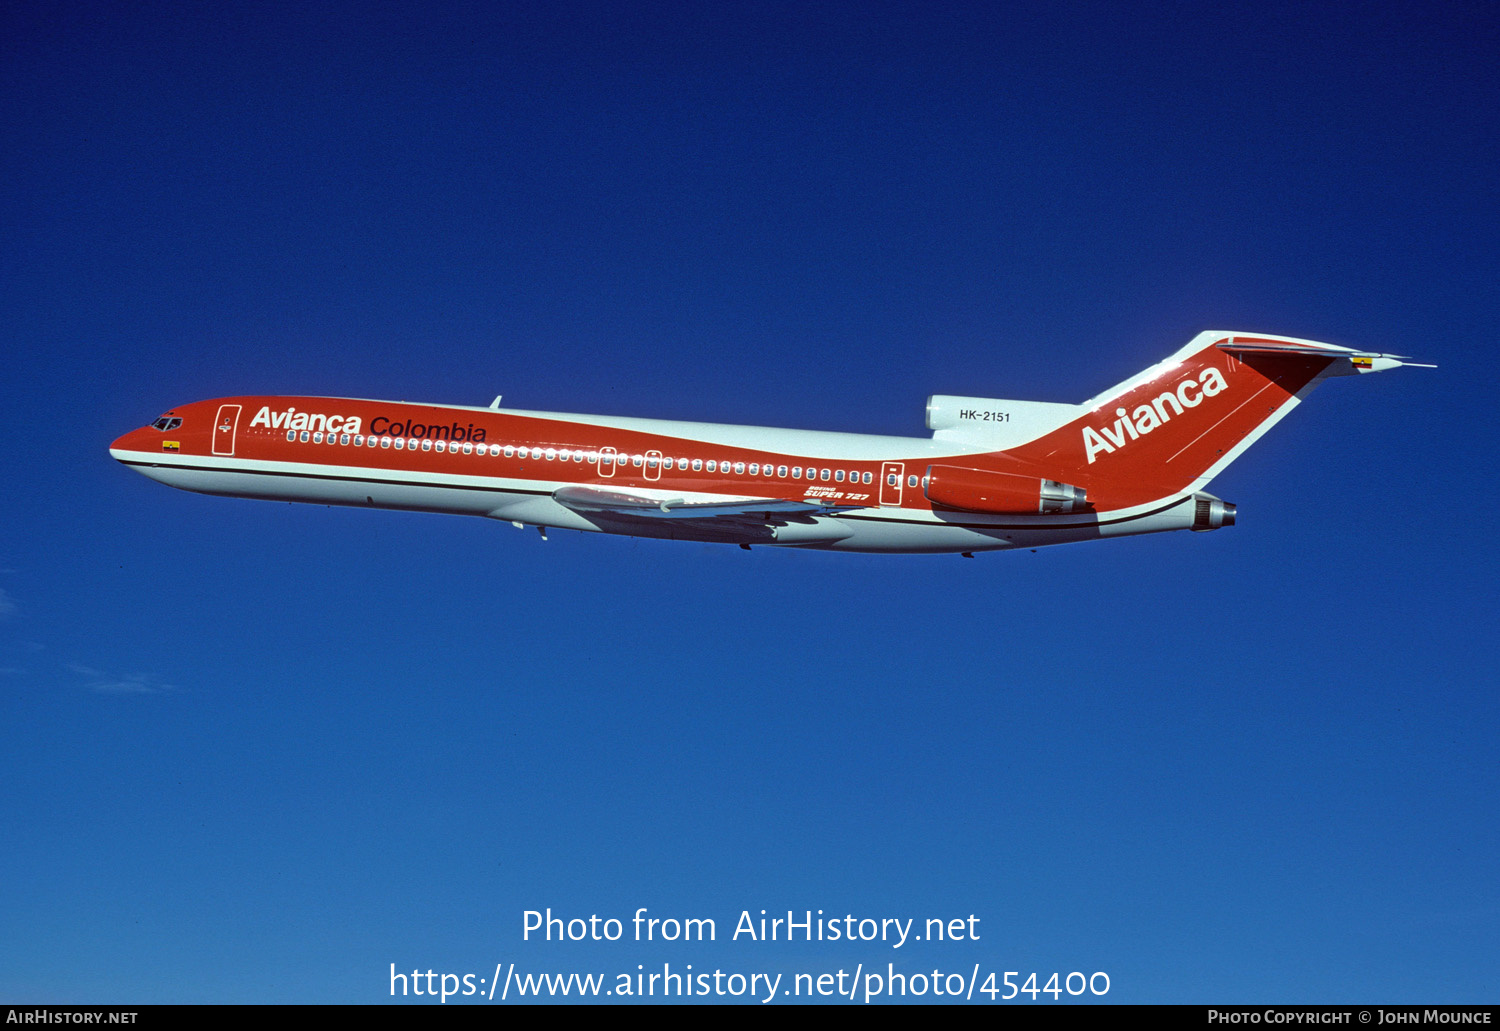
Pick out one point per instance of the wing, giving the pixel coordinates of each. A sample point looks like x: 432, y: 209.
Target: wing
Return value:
x: 743, y: 521
x: 586, y: 500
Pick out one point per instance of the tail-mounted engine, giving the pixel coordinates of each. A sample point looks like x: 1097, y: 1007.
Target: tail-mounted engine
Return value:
x: 977, y: 490
x: 1209, y: 513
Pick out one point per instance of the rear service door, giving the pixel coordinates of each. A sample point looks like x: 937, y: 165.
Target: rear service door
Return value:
x: 891, y: 474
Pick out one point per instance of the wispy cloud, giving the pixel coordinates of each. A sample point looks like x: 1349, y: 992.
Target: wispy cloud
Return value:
x: 114, y: 683
x: 7, y: 607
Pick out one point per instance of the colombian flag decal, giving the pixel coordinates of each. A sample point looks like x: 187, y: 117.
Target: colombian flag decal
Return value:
x: 1362, y: 362
x: 170, y: 445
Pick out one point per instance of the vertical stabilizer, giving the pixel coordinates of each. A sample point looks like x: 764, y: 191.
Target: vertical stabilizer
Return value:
x: 1173, y: 427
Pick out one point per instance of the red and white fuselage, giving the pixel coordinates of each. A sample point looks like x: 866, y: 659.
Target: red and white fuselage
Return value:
x: 995, y: 474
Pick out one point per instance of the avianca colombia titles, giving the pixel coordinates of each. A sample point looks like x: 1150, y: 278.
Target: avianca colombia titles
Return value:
x: 995, y: 474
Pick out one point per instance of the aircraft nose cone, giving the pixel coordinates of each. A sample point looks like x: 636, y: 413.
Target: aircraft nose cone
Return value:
x: 135, y: 440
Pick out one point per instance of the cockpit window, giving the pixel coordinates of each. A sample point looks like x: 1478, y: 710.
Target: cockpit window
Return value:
x: 165, y: 424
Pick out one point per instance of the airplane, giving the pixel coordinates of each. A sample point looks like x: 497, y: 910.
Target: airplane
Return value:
x: 995, y: 475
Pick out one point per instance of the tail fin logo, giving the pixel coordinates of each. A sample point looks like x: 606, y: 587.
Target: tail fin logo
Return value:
x: 1152, y: 414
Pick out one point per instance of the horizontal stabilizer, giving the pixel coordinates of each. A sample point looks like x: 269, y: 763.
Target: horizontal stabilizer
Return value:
x: 1359, y: 361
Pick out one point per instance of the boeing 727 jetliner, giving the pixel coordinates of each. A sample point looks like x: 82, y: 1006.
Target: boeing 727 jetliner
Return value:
x: 994, y: 475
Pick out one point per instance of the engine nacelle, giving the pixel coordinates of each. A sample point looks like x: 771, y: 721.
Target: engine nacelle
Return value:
x: 1209, y: 513
x: 977, y: 490
x: 994, y: 423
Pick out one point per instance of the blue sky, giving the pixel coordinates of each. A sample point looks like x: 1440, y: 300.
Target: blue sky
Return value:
x: 257, y: 752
